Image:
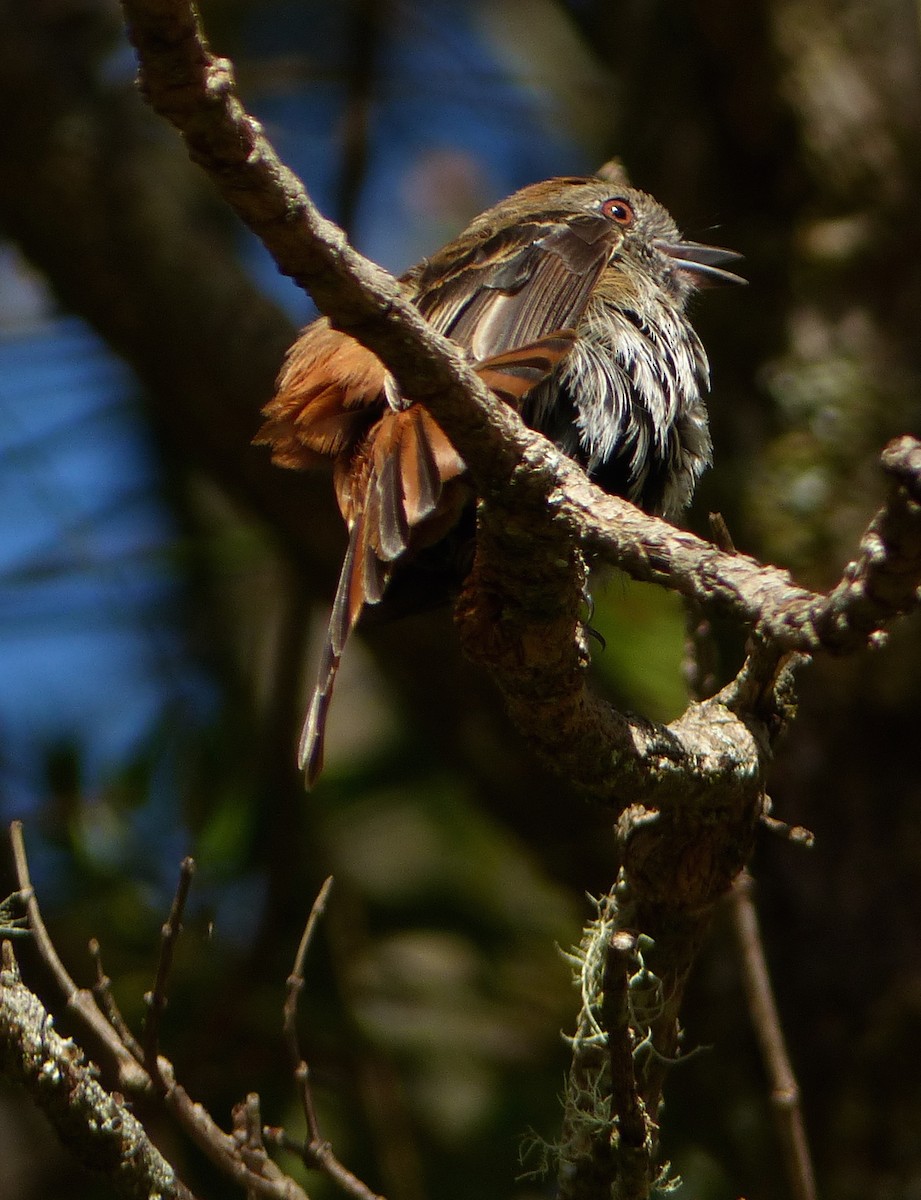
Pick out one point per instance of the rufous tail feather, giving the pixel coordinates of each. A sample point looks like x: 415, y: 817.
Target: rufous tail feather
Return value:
x: 408, y: 465
x: 348, y: 603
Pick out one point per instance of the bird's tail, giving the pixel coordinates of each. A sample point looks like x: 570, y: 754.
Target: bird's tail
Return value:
x: 408, y: 485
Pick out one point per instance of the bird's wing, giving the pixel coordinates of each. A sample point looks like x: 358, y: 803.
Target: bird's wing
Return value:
x: 518, y: 285
x: 492, y: 295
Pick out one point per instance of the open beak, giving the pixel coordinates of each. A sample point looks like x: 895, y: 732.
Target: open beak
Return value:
x: 701, y: 261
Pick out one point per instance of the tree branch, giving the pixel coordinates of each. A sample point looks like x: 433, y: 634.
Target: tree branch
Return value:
x: 131, y: 1076
x: 258, y: 1174
x: 156, y: 999
x: 315, y: 1151
x: 94, y: 1124
x: 508, y: 463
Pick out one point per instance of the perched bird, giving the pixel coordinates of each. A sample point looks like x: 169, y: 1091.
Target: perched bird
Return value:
x: 570, y: 298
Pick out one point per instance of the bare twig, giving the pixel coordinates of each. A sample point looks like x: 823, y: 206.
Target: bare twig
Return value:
x: 132, y: 1076
x: 102, y: 990
x: 289, y: 1014
x: 255, y: 1172
x: 319, y: 1155
x: 94, y: 1124
x: 221, y: 1148
x: 315, y: 1151
x: 169, y: 935
x: 785, y: 1094
x: 799, y: 835
x: 248, y: 1136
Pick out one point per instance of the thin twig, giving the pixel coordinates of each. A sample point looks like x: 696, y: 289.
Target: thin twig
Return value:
x: 785, y: 1093
x: 194, y: 1119
x: 634, y: 1134
x: 95, y: 1125
x: 321, y: 1158
x: 156, y: 998
x: 315, y: 1151
x: 222, y: 1148
x: 247, y: 1133
x: 289, y: 1013
x: 797, y: 835
x: 132, y: 1077
x: 102, y: 990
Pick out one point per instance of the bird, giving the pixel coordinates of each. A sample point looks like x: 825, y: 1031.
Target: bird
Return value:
x: 569, y: 297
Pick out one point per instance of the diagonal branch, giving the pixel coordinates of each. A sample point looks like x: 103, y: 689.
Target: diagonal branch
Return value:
x: 785, y: 1093
x: 508, y: 463
x: 96, y: 1126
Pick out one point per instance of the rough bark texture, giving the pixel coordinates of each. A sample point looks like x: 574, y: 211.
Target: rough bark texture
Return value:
x: 101, y: 1133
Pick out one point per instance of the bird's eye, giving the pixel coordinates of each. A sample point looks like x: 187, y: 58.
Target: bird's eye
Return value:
x: 619, y: 211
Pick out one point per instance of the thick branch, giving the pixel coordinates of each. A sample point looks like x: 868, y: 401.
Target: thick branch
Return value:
x: 526, y: 631
x: 880, y: 584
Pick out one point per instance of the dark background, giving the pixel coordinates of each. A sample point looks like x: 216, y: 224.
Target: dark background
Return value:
x: 162, y: 587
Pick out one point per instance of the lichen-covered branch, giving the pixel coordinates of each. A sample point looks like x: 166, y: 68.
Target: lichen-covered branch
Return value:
x: 95, y: 1125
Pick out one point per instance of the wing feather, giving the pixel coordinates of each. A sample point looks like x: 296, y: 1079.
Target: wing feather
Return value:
x: 511, y: 375
x: 392, y: 534
x: 419, y: 471
x: 519, y: 285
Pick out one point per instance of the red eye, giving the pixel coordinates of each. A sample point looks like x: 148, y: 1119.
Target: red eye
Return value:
x: 619, y: 211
